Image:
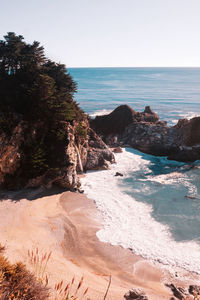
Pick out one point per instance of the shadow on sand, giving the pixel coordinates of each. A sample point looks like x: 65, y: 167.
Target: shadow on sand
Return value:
x: 29, y: 194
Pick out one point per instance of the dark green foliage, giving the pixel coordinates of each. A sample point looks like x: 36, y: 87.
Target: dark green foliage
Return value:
x: 32, y: 85
x: 39, y: 92
x: 38, y: 158
x: 81, y: 131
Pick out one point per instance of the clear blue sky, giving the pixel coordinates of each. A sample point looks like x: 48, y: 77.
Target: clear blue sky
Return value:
x: 90, y: 33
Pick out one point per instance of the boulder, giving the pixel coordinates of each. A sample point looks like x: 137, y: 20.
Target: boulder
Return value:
x: 137, y: 294
x: 117, y: 150
x: 115, y: 122
x: 149, y: 115
x: 119, y: 174
x: 194, y: 289
x: 178, y: 292
x: 98, y: 159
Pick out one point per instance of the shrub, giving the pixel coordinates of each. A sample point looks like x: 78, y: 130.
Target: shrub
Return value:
x: 16, y: 283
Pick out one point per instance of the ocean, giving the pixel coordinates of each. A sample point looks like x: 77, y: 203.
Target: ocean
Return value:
x: 154, y: 209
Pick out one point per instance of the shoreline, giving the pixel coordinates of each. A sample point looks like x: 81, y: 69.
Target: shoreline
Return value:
x: 66, y: 224
x: 127, y: 269
x: 131, y: 224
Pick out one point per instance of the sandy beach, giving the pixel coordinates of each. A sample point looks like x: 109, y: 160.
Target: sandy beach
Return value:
x: 66, y: 224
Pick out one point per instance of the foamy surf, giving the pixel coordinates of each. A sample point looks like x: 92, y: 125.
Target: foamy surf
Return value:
x: 129, y: 223
x: 188, y: 115
x: 100, y: 113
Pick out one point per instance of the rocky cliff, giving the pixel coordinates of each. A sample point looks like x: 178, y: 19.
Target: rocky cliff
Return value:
x: 21, y: 157
x: 45, y: 137
x: 145, y: 132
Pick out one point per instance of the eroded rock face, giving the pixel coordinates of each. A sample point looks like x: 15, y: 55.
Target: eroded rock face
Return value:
x: 145, y: 132
x: 69, y: 157
x: 99, y: 155
x: 10, y: 152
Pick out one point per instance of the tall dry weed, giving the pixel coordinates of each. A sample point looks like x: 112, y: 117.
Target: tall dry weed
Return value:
x: 71, y: 291
x: 39, y: 263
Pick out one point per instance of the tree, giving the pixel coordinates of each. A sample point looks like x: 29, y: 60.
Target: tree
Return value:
x: 39, y: 92
x: 31, y: 84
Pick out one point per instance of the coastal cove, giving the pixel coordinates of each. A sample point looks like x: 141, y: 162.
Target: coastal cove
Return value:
x: 100, y: 150
x: 107, y: 188
x: 153, y: 209
x: 66, y: 224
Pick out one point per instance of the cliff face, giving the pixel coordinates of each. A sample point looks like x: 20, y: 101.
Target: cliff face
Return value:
x: 148, y: 134
x: 22, y: 163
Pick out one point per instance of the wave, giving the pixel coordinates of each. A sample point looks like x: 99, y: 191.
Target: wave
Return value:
x: 129, y: 223
x: 188, y: 115
x: 100, y: 113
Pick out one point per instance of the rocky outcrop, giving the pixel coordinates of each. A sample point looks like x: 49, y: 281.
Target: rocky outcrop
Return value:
x: 145, y: 132
x: 120, y: 118
x: 115, y: 122
x: 20, y: 156
x: 194, y: 290
x: 178, y: 292
x: 184, y: 293
x: 10, y: 152
x: 99, y: 155
x: 137, y: 294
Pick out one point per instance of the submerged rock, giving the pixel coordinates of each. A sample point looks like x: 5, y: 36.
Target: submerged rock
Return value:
x: 118, y: 174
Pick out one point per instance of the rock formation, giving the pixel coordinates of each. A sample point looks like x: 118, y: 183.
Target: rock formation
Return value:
x: 145, y: 132
x: 137, y: 294
x: 18, y: 156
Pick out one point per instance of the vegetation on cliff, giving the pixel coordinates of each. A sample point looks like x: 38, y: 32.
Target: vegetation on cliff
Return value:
x: 36, y: 101
x: 32, y: 85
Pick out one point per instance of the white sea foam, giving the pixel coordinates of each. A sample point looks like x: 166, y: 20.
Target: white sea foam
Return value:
x: 175, y: 178
x: 100, y: 113
x: 130, y: 224
x: 189, y: 115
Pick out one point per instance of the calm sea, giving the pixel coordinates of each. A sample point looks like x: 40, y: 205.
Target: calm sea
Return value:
x: 172, y: 92
x: 155, y: 208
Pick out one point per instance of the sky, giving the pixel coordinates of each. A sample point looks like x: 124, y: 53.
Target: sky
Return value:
x: 109, y: 33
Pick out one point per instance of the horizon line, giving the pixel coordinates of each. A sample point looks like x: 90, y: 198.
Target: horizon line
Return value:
x: 181, y: 67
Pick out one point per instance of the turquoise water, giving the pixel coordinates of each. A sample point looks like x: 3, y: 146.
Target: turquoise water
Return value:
x: 167, y: 193
x: 173, y: 190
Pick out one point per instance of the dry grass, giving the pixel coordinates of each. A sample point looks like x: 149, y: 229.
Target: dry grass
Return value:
x: 71, y: 291
x: 67, y: 291
x: 16, y: 283
x: 39, y: 264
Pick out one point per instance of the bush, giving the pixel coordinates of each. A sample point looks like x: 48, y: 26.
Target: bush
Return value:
x: 16, y: 283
